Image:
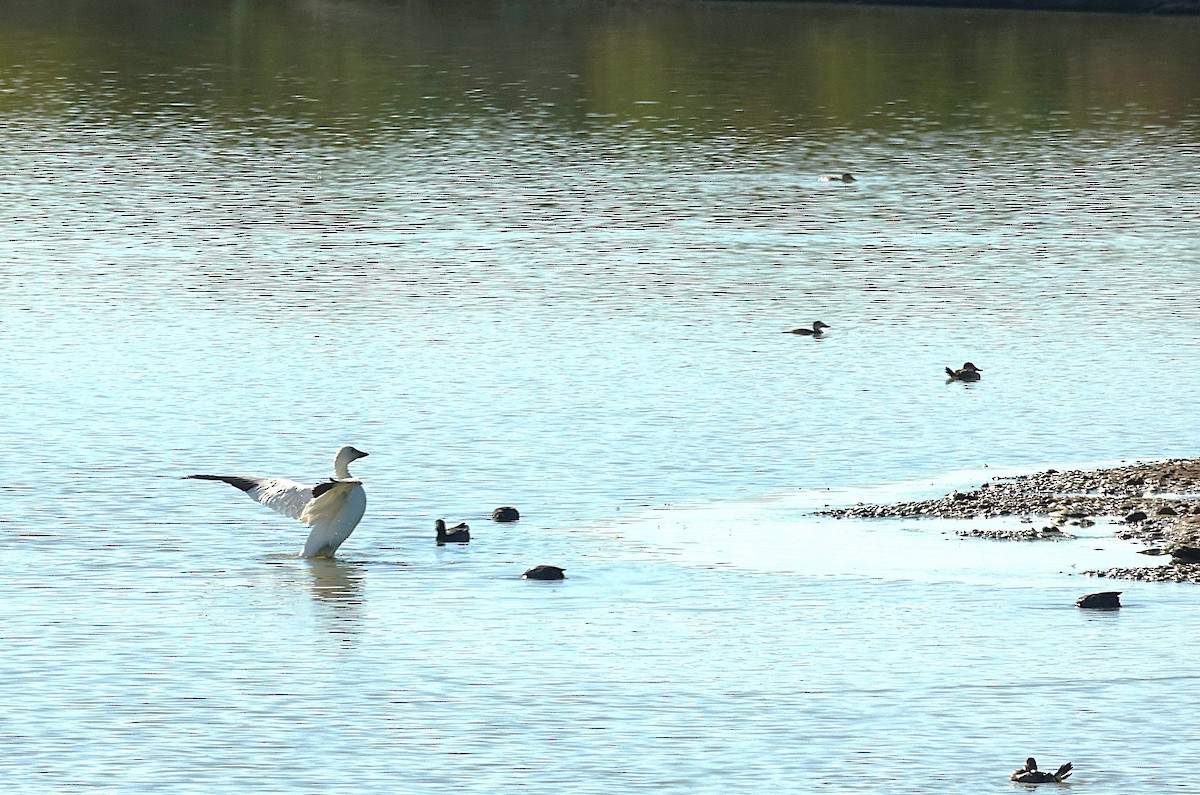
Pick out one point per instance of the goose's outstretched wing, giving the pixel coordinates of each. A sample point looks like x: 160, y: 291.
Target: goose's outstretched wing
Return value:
x: 286, y: 496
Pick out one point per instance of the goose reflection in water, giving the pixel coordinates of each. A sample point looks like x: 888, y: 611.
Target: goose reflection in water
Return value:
x: 338, y: 582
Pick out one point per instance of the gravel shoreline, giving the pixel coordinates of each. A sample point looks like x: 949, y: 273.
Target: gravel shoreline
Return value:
x: 1156, y: 504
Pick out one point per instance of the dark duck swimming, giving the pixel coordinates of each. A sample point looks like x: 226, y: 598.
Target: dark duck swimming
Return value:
x: 815, y: 331
x: 506, y: 513
x: 544, y: 572
x: 968, y: 372
x: 459, y: 534
x: 1029, y: 774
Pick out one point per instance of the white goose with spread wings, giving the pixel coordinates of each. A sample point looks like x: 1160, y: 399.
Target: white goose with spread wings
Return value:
x: 331, y: 509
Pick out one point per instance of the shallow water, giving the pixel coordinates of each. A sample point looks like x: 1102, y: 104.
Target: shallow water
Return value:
x: 542, y: 255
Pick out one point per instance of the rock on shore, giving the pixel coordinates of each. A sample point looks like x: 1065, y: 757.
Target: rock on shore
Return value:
x: 1157, y: 504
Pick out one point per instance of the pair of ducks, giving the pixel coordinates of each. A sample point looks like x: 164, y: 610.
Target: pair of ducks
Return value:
x: 1029, y: 774
x: 968, y: 372
x: 461, y: 532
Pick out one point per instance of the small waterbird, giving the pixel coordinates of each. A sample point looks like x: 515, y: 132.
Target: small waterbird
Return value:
x: 459, y: 534
x: 815, y: 331
x: 1105, y: 600
x: 544, y: 573
x: 331, y: 509
x: 1029, y: 774
x: 969, y: 372
x: 847, y: 177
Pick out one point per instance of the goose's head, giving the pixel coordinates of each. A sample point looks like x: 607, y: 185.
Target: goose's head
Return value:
x: 343, y: 458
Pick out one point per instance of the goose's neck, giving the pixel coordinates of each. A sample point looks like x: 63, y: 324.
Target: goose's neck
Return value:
x: 341, y: 467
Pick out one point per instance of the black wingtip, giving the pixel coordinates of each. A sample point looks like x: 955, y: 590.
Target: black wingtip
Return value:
x: 237, y: 481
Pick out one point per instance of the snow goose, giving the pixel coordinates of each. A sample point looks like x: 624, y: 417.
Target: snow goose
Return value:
x: 331, y: 509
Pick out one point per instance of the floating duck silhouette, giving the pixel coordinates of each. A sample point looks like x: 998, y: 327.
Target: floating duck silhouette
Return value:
x: 459, y: 534
x: 815, y: 331
x: 1105, y: 600
x: 846, y: 177
x: 506, y: 513
x: 1031, y: 775
x: 969, y: 372
x: 544, y: 573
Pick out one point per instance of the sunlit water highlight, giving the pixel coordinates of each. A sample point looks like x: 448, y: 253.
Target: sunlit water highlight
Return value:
x: 560, y: 283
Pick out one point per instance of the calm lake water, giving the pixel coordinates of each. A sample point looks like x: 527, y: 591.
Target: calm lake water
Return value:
x: 541, y: 254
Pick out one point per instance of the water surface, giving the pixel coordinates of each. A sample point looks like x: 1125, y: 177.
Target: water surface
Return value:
x: 542, y: 254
